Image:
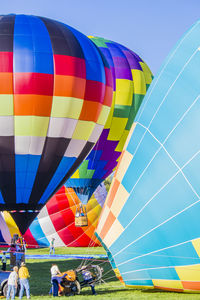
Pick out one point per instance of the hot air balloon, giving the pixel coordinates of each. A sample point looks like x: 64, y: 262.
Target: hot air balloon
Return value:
x: 150, y: 221
x: 55, y: 97
x: 56, y: 220
x: 131, y: 79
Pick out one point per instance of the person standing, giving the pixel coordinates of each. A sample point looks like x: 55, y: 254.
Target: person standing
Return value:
x: 24, y: 282
x: 18, y: 256
x: 4, y: 260
x: 54, y: 272
x: 12, y: 284
x: 24, y: 245
x: 52, y: 247
x: 12, y: 250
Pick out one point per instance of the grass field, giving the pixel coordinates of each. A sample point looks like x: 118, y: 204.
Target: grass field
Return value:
x: 111, y: 289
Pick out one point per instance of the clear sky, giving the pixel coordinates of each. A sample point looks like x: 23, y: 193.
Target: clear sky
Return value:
x: 149, y: 27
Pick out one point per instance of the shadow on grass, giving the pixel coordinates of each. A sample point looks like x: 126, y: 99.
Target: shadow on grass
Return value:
x: 157, y: 291
x: 40, y: 280
x: 104, y: 292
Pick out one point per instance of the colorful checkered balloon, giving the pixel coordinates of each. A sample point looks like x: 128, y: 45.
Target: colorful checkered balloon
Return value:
x: 131, y: 79
x: 55, y: 97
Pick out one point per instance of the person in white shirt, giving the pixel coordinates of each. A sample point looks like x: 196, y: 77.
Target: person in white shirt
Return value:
x: 54, y: 272
x: 12, y: 284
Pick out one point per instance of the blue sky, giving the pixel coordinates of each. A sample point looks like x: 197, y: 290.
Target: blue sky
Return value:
x: 149, y: 27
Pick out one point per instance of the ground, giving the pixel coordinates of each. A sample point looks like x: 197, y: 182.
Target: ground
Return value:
x: 111, y: 289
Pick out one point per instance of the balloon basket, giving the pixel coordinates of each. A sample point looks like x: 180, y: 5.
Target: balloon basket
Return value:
x: 81, y: 219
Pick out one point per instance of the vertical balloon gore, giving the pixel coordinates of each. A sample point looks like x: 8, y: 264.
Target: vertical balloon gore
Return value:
x: 55, y: 97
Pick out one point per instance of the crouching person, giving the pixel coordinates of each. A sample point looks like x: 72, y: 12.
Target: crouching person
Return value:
x: 12, y: 284
x: 24, y: 282
x: 88, y: 278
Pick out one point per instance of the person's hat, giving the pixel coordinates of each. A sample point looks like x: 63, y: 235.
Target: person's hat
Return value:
x: 23, y: 264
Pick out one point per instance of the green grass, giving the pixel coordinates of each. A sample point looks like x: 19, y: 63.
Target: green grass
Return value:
x: 111, y: 289
x: 70, y: 250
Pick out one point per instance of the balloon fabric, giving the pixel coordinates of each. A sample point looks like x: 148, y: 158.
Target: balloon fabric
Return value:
x: 150, y: 221
x: 131, y: 79
x: 55, y: 97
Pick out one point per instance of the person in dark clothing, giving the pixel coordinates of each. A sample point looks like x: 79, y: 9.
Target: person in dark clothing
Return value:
x: 88, y: 278
x: 4, y: 260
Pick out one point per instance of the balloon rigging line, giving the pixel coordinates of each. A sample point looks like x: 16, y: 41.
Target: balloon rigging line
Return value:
x: 107, y: 279
x: 168, y: 91
x: 111, y: 270
x: 111, y: 277
x: 84, y: 261
x: 90, y: 245
x: 87, y: 262
x: 162, y: 71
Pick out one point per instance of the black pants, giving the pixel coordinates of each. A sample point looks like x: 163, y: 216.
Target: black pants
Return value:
x: 3, y: 267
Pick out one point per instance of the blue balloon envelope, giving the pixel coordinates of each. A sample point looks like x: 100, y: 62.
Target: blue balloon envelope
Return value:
x: 150, y: 222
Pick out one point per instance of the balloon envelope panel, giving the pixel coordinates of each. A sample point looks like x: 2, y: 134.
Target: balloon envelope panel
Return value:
x: 150, y: 221
x: 131, y: 79
x: 57, y: 219
x: 55, y: 97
